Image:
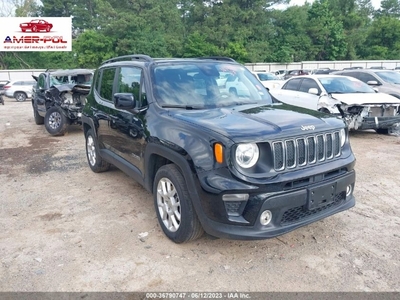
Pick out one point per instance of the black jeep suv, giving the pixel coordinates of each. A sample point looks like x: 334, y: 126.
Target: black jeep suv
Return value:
x: 58, y: 98
x: 237, y: 165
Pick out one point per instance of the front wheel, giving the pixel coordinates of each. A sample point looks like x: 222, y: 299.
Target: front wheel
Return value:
x: 96, y: 163
x: 39, y: 120
x: 55, y: 121
x: 382, y: 130
x: 174, y: 208
x: 20, y: 96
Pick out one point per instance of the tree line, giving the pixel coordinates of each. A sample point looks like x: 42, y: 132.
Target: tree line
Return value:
x: 246, y: 30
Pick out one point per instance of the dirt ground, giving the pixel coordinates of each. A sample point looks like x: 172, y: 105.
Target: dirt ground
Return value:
x: 65, y: 228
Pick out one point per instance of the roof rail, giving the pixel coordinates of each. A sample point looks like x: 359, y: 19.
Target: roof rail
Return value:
x: 217, y: 58
x: 140, y: 57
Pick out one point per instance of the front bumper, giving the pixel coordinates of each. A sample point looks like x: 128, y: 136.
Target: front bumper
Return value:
x: 290, y: 209
x: 379, y: 122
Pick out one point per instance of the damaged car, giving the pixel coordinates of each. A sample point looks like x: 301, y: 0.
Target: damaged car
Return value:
x: 360, y: 106
x: 59, y: 97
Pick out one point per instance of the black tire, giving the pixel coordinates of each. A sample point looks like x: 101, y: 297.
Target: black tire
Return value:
x: 382, y: 130
x: 1, y: 100
x: 39, y: 120
x: 20, y: 96
x: 55, y: 121
x: 178, y: 220
x: 96, y: 163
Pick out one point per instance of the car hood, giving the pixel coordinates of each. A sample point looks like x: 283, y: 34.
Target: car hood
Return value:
x: 259, y: 123
x: 366, y: 98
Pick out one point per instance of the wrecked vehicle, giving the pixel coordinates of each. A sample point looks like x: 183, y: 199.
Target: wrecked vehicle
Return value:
x: 58, y: 98
x: 360, y: 106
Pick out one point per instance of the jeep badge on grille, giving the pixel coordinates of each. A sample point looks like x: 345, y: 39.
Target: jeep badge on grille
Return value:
x: 309, y: 127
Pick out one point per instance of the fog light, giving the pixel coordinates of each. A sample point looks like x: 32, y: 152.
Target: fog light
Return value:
x: 349, y: 190
x: 266, y: 217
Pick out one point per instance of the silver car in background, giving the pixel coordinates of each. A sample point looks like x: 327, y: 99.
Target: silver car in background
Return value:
x: 19, y: 89
x: 384, y: 81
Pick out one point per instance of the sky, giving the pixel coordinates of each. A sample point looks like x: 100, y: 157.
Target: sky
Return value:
x: 375, y: 3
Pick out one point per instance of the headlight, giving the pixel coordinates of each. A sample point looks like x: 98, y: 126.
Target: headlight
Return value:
x: 247, y: 155
x: 342, y: 137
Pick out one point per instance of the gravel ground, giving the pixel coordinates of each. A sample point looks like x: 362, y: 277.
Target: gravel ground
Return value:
x: 65, y: 228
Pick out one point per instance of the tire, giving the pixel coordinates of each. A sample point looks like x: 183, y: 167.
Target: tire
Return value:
x: 20, y: 96
x: 34, y: 29
x: 47, y: 28
x: 39, y: 120
x: 382, y: 130
x: 55, y: 121
x: 174, y: 208
x: 96, y: 163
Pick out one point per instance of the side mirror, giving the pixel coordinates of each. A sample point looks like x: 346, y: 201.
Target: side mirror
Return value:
x: 124, y: 101
x: 376, y: 90
x: 313, y: 91
x: 373, y: 82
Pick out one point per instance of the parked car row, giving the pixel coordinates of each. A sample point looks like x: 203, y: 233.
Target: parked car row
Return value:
x: 363, y: 98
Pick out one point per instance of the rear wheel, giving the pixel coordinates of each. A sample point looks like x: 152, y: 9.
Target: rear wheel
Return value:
x: 174, y: 208
x: 55, y: 121
x: 20, y: 96
x: 96, y: 163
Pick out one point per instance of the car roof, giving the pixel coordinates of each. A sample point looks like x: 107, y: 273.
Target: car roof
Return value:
x: 317, y: 76
x: 71, y: 72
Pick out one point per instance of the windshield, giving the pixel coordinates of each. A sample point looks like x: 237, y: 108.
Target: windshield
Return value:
x: 267, y: 76
x: 207, y: 85
x: 344, y: 85
x: 389, y: 76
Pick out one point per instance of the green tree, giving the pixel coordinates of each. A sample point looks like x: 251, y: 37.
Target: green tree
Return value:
x: 326, y: 32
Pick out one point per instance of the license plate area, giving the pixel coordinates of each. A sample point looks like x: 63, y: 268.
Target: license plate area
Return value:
x: 321, y: 196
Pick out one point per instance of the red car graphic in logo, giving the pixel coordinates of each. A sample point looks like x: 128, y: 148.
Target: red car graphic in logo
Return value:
x: 36, y: 26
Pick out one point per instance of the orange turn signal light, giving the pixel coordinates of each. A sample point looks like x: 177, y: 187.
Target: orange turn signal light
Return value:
x: 219, y: 153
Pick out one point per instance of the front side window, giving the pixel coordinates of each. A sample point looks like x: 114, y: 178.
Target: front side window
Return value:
x: 307, y: 84
x: 129, y: 81
x: 365, y: 77
x: 292, y: 85
x: 205, y: 84
x: 107, y: 83
x: 41, y: 81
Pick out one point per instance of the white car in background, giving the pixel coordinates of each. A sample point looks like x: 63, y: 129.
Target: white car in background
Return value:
x: 269, y: 80
x: 360, y: 106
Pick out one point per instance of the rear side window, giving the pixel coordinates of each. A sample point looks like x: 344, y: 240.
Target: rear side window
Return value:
x: 107, y: 83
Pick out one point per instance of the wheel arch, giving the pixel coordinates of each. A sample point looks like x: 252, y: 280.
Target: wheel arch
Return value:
x: 157, y: 156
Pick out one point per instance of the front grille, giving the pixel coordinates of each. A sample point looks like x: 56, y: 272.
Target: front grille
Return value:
x: 299, y: 152
x: 300, y: 212
x: 382, y: 111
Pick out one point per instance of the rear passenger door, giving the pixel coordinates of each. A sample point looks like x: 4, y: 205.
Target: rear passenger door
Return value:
x: 122, y: 131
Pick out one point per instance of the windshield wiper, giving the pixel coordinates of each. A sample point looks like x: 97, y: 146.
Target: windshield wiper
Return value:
x: 187, y: 107
x: 334, y: 92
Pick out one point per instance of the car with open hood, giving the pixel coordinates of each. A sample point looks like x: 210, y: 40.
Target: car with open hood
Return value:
x: 236, y: 165
x: 360, y: 106
x: 59, y: 97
